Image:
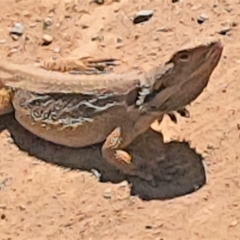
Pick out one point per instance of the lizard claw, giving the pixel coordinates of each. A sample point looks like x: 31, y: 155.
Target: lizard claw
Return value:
x: 123, y: 156
x: 173, y: 117
x: 184, y: 113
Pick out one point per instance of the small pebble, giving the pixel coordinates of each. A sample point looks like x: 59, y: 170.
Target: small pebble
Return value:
x: 22, y: 207
x: 225, y: 30
x: 97, y: 38
x: 119, y: 40
x: 107, y: 193
x: 47, y: 22
x: 233, y: 223
x: 142, y: 16
x: 202, y: 18
x: 47, y: 39
x: 164, y: 29
x: 99, y: 1
x: 229, y: 9
x: 14, y: 37
x: 17, y: 29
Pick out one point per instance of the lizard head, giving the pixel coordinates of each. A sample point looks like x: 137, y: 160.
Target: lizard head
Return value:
x: 189, y: 73
x: 201, y: 59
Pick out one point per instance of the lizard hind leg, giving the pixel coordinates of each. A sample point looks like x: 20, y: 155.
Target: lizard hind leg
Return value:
x: 112, y: 152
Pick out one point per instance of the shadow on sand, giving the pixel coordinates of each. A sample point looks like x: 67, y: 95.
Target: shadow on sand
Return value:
x: 178, y: 169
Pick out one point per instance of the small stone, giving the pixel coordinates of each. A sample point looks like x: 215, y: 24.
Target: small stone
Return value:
x: 225, y: 30
x: 47, y: 22
x: 17, y: 29
x: 233, y: 223
x: 99, y: 1
x: 142, y: 16
x: 119, y: 40
x: 47, y: 39
x: 97, y: 38
x: 202, y: 18
x: 107, y: 193
x: 22, y: 207
x: 163, y: 29
x: 228, y: 9
x: 14, y: 37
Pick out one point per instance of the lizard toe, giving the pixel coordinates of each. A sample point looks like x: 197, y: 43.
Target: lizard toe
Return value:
x: 123, y: 156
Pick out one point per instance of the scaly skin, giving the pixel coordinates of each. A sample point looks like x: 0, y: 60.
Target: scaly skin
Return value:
x: 78, y: 111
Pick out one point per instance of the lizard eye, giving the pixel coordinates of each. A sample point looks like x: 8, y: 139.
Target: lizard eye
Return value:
x: 184, y: 56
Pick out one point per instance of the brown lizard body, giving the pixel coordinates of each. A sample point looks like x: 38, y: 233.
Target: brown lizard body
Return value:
x: 78, y: 111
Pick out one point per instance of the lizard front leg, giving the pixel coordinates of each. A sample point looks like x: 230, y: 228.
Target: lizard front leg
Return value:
x: 120, y: 138
x: 5, y: 101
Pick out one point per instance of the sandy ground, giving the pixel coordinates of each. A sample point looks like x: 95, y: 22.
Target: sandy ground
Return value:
x: 197, y: 196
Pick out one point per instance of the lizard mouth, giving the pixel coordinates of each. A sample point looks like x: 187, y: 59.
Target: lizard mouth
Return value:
x: 215, y: 52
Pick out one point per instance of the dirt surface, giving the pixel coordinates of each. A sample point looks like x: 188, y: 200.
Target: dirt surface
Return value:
x: 52, y: 192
